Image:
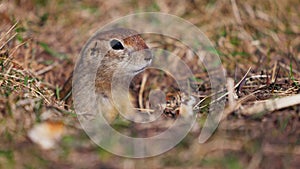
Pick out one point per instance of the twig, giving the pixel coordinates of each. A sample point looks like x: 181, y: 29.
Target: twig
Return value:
x: 230, y: 88
x: 272, y: 105
x: 144, y: 110
x: 274, y: 73
x: 142, y: 90
x: 244, y: 77
x: 236, y: 12
x: 13, y: 36
x: 224, y: 95
x: 11, y: 53
x: 10, y: 29
x: 235, y: 107
x: 288, y: 68
x: 46, y: 69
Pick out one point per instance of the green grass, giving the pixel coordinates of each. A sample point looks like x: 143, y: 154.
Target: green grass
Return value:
x: 227, y: 162
x: 52, y: 52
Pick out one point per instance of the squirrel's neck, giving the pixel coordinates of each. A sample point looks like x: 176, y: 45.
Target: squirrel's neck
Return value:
x: 104, y: 80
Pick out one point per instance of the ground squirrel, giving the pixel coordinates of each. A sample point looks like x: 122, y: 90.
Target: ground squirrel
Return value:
x: 123, y: 53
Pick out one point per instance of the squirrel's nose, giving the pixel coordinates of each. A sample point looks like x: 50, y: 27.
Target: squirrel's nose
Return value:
x: 148, y: 55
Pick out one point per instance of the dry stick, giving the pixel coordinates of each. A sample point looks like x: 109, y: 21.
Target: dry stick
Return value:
x: 36, y: 91
x: 257, y: 76
x: 229, y: 110
x: 15, y: 49
x: 49, y: 85
x: 273, y: 72
x: 9, y: 69
x: 230, y: 89
x: 272, y: 105
x: 244, y: 77
x: 236, y: 12
x: 142, y: 91
x: 290, y: 89
x: 46, y: 69
x: 289, y: 68
x: 225, y: 94
x: 10, y: 29
x: 9, y: 40
x: 238, y: 19
x: 144, y: 110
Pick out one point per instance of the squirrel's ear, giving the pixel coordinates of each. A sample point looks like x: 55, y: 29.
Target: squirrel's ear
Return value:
x: 94, y: 49
x: 91, y: 52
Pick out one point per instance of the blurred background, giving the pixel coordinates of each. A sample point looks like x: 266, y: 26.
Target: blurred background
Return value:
x: 41, y: 39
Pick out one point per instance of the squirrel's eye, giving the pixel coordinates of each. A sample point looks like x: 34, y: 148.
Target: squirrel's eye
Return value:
x: 116, y: 45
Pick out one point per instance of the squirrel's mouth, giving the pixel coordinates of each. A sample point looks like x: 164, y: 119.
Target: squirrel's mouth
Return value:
x: 140, y: 70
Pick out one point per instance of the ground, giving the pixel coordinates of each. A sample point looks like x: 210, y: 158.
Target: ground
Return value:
x: 39, y: 44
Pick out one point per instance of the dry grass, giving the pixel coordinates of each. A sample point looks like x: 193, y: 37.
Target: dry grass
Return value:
x: 39, y: 43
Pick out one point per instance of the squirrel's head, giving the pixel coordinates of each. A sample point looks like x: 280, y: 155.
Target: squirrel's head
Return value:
x: 121, y: 50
